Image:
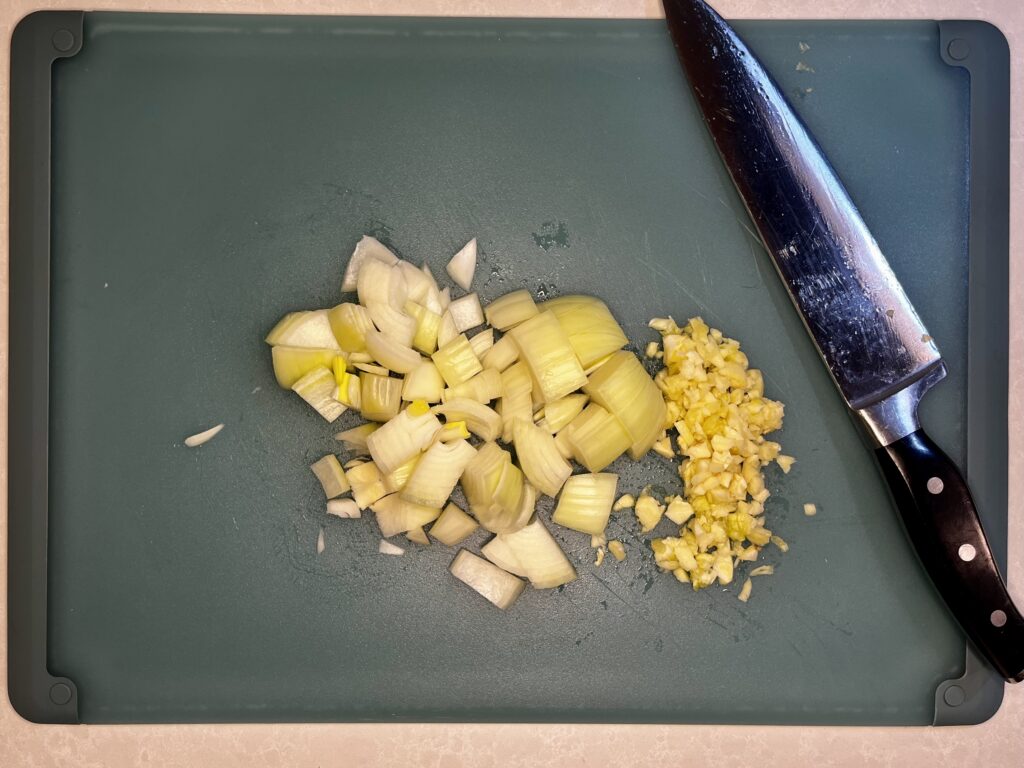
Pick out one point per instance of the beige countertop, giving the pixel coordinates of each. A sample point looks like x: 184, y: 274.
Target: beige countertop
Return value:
x: 998, y: 742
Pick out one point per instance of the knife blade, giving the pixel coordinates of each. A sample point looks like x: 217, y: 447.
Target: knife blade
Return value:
x: 876, y: 348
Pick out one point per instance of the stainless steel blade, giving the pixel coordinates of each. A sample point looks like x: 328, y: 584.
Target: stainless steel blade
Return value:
x: 865, y: 328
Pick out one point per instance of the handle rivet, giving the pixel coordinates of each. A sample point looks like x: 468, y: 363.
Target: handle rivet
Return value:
x: 935, y: 485
x: 958, y: 49
x: 967, y: 552
x: 63, y: 40
x: 998, y: 618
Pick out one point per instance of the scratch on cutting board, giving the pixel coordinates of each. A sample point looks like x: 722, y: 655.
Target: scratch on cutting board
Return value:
x: 661, y: 636
x: 677, y: 283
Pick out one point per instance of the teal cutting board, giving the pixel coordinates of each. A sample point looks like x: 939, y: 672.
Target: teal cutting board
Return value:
x: 212, y: 173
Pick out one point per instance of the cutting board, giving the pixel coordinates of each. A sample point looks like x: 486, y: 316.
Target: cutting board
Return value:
x: 206, y: 174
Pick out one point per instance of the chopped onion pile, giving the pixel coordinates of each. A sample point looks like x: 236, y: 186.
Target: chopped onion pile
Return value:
x: 720, y: 416
x: 501, y: 400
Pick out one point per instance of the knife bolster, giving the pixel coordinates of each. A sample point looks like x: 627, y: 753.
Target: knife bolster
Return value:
x: 894, y: 417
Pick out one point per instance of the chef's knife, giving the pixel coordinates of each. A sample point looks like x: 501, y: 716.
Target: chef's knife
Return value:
x: 877, y: 350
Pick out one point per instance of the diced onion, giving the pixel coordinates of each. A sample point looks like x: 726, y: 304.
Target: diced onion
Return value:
x: 292, y: 363
x: 381, y: 396
x: 624, y: 388
x: 453, y: 526
x: 493, y: 486
x: 499, y: 587
x: 511, y: 309
x: 418, y: 536
x: 456, y: 361
x: 482, y: 421
x: 553, y: 364
x: 538, y: 456
x: 463, y: 265
x: 374, y: 283
x: 308, y: 330
x: 484, y: 387
x: 427, y: 325
x: 597, y: 438
x: 540, y: 556
x: 424, y: 382
x: 349, y: 324
x: 367, y: 247
x: 331, y: 476
x: 438, y: 472
x: 317, y: 388
x: 466, y: 312
x: 396, y: 515
x: 402, y: 437
x: 345, y: 508
x: 396, y: 480
x: 356, y: 437
x: 502, y: 354
x: 500, y: 553
x: 586, y: 502
x: 387, y: 548
x: 558, y: 413
x: 446, y: 330
x: 367, y: 484
x: 391, y: 354
x: 194, y: 441
x: 590, y: 327
x: 393, y: 322
x: 482, y: 342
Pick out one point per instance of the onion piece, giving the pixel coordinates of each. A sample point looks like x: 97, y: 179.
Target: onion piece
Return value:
x: 558, y: 413
x: 545, y: 349
x: 356, y: 437
x: 516, y: 401
x: 446, y: 330
x: 331, y: 476
x: 317, y: 388
x: 499, y: 587
x: 396, y: 515
x: 438, y: 472
x: 377, y: 370
x: 493, y: 486
x: 623, y: 387
x: 374, y: 282
x: 389, y: 353
x: 321, y: 545
x: 292, y: 363
x: 484, y: 387
x: 502, y: 354
x: 596, y: 437
x: 403, y: 437
x: 424, y: 382
x: 194, y: 441
x: 511, y: 309
x: 500, y: 553
x: 586, y: 502
x: 482, y: 421
x: 427, y: 325
x: 393, y: 322
x: 466, y: 312
x: 381, y: 396
x: 418, y: 283
x: 397, y: 479
x: 540, y: 556
x: 344, y: 508
x: 463, y: 265
x: 538, y: 456
x: 453, y: 526
x: 453, y: 430
x: 618, y: 551
x: 418, y: 536
x: 483, y: 341
x: 350, y: 393
x: 456, y: 361
x: 589, y: 325
x: 367, y: 484
x: 308, y: 330
x: 387, y: 548
x: 349, y: 324
x: 367, y: 248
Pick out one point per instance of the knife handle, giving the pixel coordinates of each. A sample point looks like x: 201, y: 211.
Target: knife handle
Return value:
x: 943, y: 524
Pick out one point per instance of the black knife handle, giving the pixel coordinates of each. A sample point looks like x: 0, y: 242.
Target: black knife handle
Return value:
x: 943, y: 524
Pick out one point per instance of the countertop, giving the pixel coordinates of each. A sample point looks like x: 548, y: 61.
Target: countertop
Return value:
x: 997, y: 742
